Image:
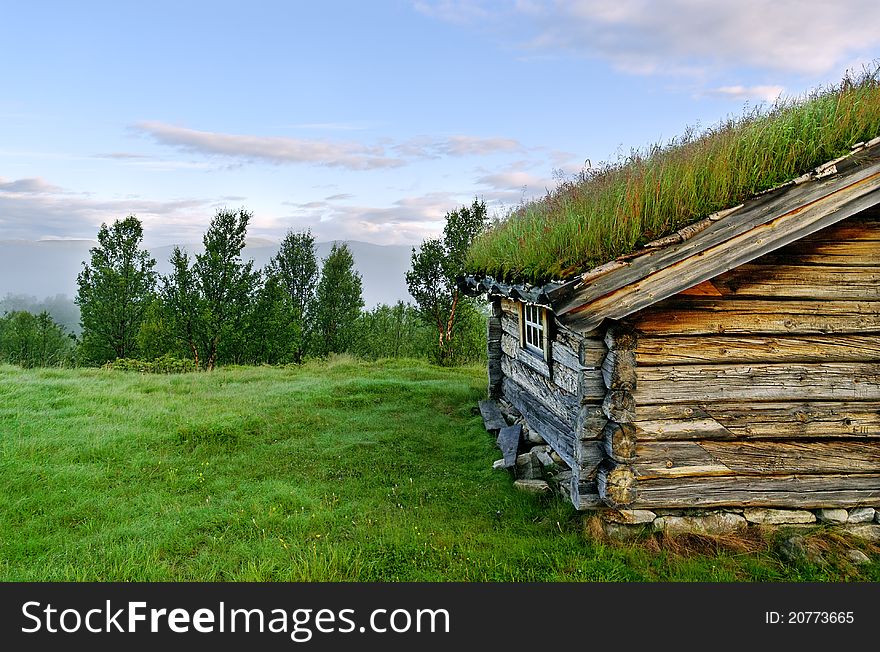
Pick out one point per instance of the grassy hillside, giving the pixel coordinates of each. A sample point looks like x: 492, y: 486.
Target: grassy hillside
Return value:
x: 613, y: 209
x: 333, y: 471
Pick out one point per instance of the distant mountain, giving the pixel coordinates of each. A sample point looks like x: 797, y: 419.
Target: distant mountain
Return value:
x: 46, y: 268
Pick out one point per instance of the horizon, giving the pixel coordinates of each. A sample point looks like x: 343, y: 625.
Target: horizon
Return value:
x: 372, y: 127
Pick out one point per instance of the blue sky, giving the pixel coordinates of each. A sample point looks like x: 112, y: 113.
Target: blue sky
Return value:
x: 370, y: 120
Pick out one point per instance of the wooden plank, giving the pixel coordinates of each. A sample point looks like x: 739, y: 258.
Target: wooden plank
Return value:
x: 511, y: 348
x: 864, y: 226
x: 559, y: 402
x: 555, y: 432
x: 508, y: 442
x: 758, y: 382
x: 697, y: 316
x: 826, y: 253
x: 563, y: 356
x: 748, y: 421
x: 801, y: 281
x: 588, y: 455
x: 492, y: 417
x: 729, y: 243
x: 713, y: 349
x: 669, y: 459
x: 792, y: 491
x: 559, y: 374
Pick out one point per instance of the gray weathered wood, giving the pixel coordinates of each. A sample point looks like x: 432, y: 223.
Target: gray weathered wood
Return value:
x: 758, y: 382
x: 508, y: 442
x: 492, y: 417
x: 619, y: 442
x: 619, y: 405
x: 747, y: 420
x: 791, y: 491
x: 694, y: 316
x: 565, y: 356
x: 590, y: 385
x: 728, y: 349
x: 511, y: 348
x: 619, y: 370
x: 588, y: 455
x: 668, y: 459
x: 554, y: 431
x: 591, y: 421
x: 561, y: 403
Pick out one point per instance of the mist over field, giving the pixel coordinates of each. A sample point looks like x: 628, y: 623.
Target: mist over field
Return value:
x: 32, y: 271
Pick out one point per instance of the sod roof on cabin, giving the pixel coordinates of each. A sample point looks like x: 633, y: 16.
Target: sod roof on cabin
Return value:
x: 615, y: 209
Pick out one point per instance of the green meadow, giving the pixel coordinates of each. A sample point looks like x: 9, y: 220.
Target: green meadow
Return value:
x: 332, y: 471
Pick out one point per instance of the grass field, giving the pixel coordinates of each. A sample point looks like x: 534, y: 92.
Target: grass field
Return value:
x: 332, y: 471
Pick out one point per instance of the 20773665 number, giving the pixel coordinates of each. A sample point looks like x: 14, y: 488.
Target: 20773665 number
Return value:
x: 809, y: 617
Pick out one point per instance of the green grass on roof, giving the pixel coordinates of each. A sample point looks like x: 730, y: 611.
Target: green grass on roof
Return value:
x: 615, y: 208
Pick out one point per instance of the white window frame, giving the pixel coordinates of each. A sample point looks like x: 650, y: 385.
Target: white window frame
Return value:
x: 534, y: 334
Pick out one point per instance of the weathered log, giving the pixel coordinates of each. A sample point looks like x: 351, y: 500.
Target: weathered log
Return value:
x: 590, y: 385
x: 729, y: 349
x: 619, y: 405
x: 830, y: 253
x: 588, y: 455
x: 492, y: 417
x: 619, y: 441
x: 801, y: 281
x: 863, y: 227
x: 667, y: 459
x: 617, y: 485
x: 759, y: 382
x: 564, y: 356
x: 591, y: 422
x: 726, y: 420
x: 541, y: 420
x: 793, y: 491
x: 697, y: 315
x: 621, y: 337
x: 561, y: 403
x: 619, y: 370
x: 495, y: 307
x: 585, y: 493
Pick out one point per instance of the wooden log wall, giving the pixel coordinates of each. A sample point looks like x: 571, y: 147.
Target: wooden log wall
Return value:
x: 760, y: 387
x: 561, y: 400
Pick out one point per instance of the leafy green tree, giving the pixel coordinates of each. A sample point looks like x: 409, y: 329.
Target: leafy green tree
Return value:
x: 30, y: 340
x: 295, y: 269
x: 275, y: 328
x: 392, y: 332
x: 435, y: 268
x: 338, y: 302
x: 114, y: 289
x: 208, y: 302
x: 181, y: 303
x: 155, y: 338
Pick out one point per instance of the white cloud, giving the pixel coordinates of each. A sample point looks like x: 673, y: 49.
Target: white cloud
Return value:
x: 433, y: 147
x: 272, y: 149
x: 810, y: 37
x: 763, y: 93
x: 32, y: 209
x: 27, y: 186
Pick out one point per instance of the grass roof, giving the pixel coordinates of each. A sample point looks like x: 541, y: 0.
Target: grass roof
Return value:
x: 615, y: 208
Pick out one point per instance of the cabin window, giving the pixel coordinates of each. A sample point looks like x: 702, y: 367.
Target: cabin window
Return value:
x: 534, y: 329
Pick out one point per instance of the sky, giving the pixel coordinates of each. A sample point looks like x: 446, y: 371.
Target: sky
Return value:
x: 371, y: 120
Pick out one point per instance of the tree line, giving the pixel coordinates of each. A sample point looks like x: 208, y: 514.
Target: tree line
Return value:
x: 214, y: 308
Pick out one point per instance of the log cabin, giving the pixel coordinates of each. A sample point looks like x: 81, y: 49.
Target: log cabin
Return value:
x: 734, y: 363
